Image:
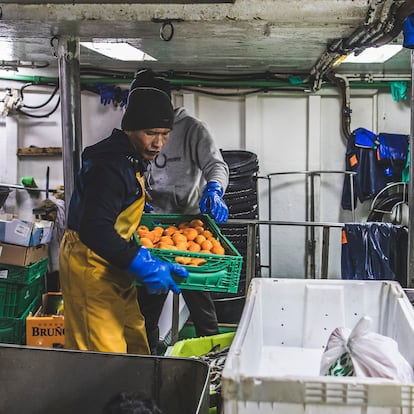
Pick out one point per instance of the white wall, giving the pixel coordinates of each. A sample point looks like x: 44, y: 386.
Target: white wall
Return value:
x: 290, y: 132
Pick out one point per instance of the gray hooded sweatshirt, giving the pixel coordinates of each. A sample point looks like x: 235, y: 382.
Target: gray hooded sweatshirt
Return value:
x: 187, y: 161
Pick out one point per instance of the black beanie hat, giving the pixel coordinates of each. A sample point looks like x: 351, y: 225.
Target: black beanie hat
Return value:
x: 146, y: 77
x: 147, y: 107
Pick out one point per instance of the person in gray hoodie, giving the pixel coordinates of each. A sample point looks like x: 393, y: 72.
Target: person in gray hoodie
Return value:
x: 188, y: 176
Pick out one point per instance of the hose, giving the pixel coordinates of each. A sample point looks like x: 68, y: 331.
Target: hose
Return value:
x: 386, y: 205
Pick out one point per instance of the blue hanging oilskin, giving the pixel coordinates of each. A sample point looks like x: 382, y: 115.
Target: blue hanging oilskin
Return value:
x: 353, y: 253
x: 362, y: 159
x: 374, y: 251
x: 392, y: 153
x: 408, y: 32
x: 365, y: 138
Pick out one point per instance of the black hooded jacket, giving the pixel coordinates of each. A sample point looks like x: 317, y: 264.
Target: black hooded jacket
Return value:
x: 104, y: 187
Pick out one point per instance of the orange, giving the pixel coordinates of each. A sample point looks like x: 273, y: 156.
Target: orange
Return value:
x: 146, y: 234
x: 196, y: 223
x: 207, y: 234
x: 193, y: 247
x: 205, y: 251
x: 179, y: 238
x: 199, y: 229
x: 217, y: 250
x: 181, y: 246
x: 142, y: 231
x: 155, y: 236
x: 199, y: 239
x: 197, y: 261
x: 214, y: 241
x: 170, y: 230
x: 183, y: 225
x: 158, y: 230
x: 190, y: 233
x: 166, y: 246
x: 167, y: 240
x: 183, y: 260
x: 206, y: 245
x: 142, y: 228
x: 146, y: 242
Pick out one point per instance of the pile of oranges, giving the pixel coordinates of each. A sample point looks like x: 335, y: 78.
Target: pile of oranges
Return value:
x: 187, y: 236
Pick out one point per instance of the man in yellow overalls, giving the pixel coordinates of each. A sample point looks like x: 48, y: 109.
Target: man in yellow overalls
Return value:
x: 98, y: 260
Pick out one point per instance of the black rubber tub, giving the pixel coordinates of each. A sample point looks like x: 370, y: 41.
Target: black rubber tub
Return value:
x: 51, y: 381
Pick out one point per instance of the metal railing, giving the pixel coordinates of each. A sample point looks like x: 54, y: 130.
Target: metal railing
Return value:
x: 310, y: 210
x: 252, y: 231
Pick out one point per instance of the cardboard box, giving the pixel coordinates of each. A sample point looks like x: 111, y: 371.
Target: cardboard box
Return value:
x: 20, y: 255
x: 25, y: 233
x: 46, y: 328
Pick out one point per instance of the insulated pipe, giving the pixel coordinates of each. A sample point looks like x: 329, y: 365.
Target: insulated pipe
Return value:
x: 68, y: 51
x: 346, y: 106
x: 410, y: 264
x: 375, y: 81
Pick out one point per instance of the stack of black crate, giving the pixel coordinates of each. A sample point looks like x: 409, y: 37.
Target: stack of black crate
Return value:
x: 242, y: 200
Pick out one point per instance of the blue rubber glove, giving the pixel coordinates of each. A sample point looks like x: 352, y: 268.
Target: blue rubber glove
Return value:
x: 148, y: 208
x: 212, y: 202
x: 154, y: 273
x: 107, y: 93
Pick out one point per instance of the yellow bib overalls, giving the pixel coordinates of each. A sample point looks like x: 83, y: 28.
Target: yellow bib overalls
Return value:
x: 100, y: 300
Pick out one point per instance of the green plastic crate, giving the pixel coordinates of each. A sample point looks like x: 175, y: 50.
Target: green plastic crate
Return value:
x: 15, y: 298
x: 195, y: 347
x: 13, y: 330
x: 24, y: 274
x: 221, y: 273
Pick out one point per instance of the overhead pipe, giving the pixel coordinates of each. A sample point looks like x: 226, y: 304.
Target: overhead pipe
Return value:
x: 346, y: 105
x: 395, y: 20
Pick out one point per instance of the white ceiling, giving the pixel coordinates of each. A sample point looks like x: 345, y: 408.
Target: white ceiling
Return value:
x: 238, y: 38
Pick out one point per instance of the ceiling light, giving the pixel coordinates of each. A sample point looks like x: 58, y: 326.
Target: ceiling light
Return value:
x: 119, y: 51
x: 374, y: 54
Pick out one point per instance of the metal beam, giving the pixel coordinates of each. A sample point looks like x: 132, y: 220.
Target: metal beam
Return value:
x: 122, y: 1
x: 410, y: 264
x: 69, y: 82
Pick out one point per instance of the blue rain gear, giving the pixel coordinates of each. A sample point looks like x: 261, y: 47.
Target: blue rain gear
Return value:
x: 369, y: 178
x: 408, y: 32
x: 376, y: 251
x: 392, y: 154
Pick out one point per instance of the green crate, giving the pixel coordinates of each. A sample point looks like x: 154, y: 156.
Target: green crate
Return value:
x: 221, y: 273
x: 13, y: 330
x: 15, y: 298
x: 24, y: 274
x: 195, y: 347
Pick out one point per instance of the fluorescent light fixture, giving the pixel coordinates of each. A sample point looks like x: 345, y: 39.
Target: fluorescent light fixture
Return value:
x: 374, y: 54
x: 118, y: 50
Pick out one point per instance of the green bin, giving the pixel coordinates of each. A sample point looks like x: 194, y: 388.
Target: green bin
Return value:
x: 220, y: 273
x: 16, y: 297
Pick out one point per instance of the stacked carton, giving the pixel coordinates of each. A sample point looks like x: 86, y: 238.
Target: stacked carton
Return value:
x: 23, y: 266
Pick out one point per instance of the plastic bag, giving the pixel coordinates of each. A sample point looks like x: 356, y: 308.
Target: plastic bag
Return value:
x: 363, y: 353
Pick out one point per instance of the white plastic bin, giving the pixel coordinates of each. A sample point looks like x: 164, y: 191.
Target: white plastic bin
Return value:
x: 274, y: 361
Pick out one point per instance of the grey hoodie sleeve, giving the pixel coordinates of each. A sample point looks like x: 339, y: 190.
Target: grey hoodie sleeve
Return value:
x: 208, y: 155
